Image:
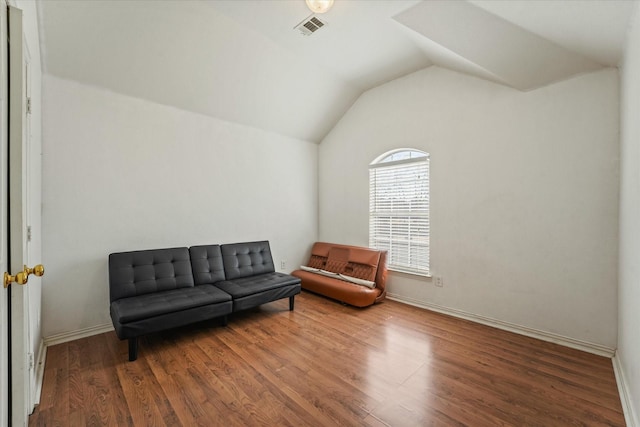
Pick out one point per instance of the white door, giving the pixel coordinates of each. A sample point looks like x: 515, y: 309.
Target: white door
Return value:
x: 17, y: 230
x: 4, y: 150
x: 21, y: 357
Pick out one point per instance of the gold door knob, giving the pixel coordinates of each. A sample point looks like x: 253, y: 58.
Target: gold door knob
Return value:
x: 20, y: 278
x: 38, y: 270
x: 23, y: 277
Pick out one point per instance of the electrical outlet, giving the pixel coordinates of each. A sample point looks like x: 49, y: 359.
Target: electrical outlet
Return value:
x: 439, y: 282
x: 283, y: 265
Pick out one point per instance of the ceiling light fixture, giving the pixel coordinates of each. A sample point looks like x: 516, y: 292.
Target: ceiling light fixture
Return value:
x: 319, y: 6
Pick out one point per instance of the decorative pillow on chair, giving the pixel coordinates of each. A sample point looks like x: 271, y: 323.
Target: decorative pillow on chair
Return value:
x: 337, y: 260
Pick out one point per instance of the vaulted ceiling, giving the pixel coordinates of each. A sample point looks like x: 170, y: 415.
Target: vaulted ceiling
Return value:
x: 243, y: 61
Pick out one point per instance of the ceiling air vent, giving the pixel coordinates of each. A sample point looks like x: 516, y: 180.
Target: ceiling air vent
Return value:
x: 310, y: 25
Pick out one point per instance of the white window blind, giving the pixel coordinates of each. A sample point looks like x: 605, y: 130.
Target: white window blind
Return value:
x: 399, y: 210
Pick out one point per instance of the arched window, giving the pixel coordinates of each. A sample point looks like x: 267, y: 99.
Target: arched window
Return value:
x: 399, y: 209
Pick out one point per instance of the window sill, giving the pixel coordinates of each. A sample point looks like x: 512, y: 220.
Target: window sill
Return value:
x: 412, y: 274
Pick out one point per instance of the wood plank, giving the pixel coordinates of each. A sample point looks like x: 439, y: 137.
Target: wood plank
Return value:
x: 328, y: 364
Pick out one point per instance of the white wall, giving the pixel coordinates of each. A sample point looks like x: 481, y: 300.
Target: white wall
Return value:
x: 123, y: 174
x: 628, y: 353
x: 524, y: 194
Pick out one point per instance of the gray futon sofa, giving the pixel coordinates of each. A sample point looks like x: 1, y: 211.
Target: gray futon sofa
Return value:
x: 158, y: 289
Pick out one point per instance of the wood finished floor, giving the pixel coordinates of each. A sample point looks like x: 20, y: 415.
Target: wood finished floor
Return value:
x: 326, y: 364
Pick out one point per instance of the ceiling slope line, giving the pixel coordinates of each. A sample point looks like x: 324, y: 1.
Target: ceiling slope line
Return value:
x: 517, y: 57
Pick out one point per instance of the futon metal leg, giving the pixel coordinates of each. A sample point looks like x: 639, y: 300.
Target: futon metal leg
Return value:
x: 225, y: 320
x: 133, y: 349
x: 291, y: 303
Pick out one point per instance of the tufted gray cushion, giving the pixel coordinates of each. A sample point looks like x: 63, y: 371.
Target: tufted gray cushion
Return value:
x: 143, y: 272
x: 206, y: 263
x: 247, y: 259
x: 155, y: 304
x: 239, y: 288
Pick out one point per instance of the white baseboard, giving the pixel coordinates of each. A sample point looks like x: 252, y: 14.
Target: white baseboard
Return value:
x: 40, y: 361
x: 630, y: 416
x: 598, y: 349
x: 76, y: 335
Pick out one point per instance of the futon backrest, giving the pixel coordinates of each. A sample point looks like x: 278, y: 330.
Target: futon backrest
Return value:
x: 142, y: 272
x: 206, y: 263
x: 246, y: 259
x: 355, y: 261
